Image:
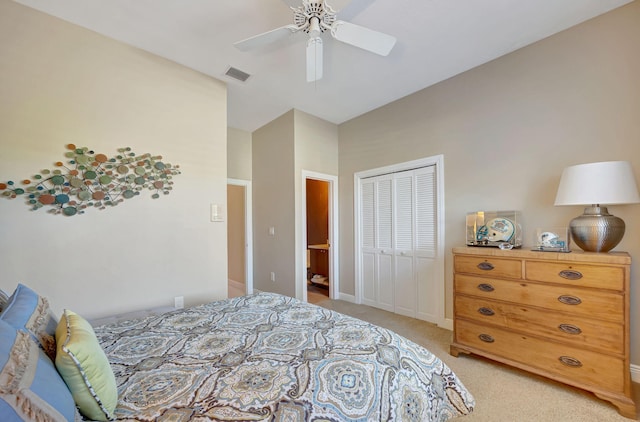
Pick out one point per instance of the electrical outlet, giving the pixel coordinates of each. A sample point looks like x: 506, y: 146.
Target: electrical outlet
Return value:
x: 273, y: 276
x: 178, y: 302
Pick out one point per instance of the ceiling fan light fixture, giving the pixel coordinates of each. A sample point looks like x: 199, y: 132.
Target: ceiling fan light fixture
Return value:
x: 314, y: 27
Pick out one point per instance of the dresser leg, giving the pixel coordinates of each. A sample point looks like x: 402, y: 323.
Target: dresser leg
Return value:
x: 626, y: 406
x: 455, y: 351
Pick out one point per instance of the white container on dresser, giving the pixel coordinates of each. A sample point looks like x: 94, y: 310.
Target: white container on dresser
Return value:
x: 561, y: 315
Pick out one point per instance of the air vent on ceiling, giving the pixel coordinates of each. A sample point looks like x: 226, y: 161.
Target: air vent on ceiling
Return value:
x: 237, y: 74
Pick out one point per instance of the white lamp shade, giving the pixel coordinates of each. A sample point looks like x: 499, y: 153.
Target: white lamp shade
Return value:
x: 607, y: 183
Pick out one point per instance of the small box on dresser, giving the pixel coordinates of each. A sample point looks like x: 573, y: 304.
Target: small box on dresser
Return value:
x: 560, y: 315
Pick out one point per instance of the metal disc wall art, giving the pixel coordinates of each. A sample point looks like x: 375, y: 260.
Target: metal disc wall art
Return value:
x: 93, y: 180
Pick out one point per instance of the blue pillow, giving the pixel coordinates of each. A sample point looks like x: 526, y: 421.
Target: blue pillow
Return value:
x: 31, y: 388
x: 26, y: 310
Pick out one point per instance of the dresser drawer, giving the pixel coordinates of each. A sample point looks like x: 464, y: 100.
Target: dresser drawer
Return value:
x: 570, y: 363
x: 577, y: 301
x: 489, y: 266
x: 602, y: 277
x: 604, y: 336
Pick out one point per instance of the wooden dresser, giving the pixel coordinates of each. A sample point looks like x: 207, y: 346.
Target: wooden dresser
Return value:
x: 561, y: 315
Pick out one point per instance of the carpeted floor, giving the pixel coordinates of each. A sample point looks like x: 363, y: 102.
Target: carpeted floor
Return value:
x: 503, y: 394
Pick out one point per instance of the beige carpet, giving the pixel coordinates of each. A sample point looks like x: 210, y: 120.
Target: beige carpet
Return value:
x: 502, y: 394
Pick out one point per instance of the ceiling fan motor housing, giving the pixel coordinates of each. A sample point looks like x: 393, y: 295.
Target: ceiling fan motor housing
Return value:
x: 303, y: 16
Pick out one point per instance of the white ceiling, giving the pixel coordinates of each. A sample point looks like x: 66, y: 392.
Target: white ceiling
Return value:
x: 437, y: 39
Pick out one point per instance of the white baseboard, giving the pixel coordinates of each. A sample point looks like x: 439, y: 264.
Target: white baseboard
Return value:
x: 346, y: 297
x: 635, y: 373
x: 447, y: 324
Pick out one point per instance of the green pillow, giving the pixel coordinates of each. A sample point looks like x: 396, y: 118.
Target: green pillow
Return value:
x: 85, y: 368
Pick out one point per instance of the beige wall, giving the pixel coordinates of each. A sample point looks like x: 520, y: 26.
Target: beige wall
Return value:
x: 62, y: 84
x: 282, y: 149
x: 238, y: 154
x: 508, y: 128
x: 274, y: 205
x: 316, y: 143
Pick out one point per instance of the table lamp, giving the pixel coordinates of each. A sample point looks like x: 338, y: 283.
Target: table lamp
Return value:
x: 607, y: 183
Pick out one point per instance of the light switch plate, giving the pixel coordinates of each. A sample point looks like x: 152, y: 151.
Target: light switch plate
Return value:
x: 216, y: 213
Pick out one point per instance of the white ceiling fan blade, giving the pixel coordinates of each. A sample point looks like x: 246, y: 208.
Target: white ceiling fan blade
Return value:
x: 266, y: 38
x: 365, y: 38
x: 314, y: 59
x: 293, y: 3
x: 336, y: 4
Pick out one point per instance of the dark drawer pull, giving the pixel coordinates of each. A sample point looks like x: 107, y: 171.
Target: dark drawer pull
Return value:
x: 486, y: 266
x: 569, y: 300
x: 570, y: 274
x: 486, y: 311
x: 570, y: 329
x: 569, y: 361
x: 486, y: 338
x: 486, y: 287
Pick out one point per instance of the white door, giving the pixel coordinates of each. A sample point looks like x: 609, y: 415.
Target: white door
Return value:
x: 403, y: 207
x: 426, y: 245
x: 377, y: 242
x: 398, y: 243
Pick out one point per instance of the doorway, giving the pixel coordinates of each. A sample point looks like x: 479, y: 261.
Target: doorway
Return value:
x: 318, y: 245
x: 320, y: 280
x: 239, y: 238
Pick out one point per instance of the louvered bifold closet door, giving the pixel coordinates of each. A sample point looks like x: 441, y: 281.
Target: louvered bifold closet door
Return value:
x: 399, y: 243
x: 426, y: 245
x: 406, y: 299
x: 377, y: 242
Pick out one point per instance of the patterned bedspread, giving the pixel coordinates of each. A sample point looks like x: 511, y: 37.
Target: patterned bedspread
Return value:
x: 271, y: 357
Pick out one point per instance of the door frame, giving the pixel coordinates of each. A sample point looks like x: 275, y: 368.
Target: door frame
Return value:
x: 438, y: 162
x: 334, y: 279
x: 248, y: 231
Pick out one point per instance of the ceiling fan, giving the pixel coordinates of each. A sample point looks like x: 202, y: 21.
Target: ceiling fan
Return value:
x: 315, y: 17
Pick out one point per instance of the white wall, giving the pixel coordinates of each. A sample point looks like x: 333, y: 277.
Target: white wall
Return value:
x: 62, y: 84
x: 508, y: 128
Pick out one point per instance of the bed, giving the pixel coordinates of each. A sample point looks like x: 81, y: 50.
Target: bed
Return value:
x: 271, y: 357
